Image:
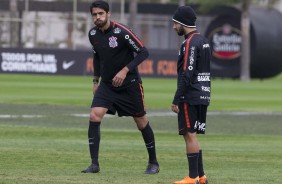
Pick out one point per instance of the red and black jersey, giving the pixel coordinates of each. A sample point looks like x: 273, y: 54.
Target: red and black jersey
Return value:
x: 113, y: 50
x: 193, y: 69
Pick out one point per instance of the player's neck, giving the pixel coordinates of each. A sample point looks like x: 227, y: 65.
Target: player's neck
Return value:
x: 106, y: 26
x: 189, y: 30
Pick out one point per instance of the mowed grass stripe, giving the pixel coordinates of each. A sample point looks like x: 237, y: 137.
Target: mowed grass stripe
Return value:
x: 227, y: 94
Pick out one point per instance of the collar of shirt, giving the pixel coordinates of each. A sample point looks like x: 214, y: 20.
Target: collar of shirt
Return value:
x: 109, y: 28
x: 187, y: 36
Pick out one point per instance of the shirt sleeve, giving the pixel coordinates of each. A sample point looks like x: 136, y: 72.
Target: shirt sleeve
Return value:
x: 96, y: 64
x: 134, y: 44
x: 96, y: 61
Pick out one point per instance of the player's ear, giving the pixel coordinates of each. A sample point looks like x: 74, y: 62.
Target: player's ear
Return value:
x: 109, y: 14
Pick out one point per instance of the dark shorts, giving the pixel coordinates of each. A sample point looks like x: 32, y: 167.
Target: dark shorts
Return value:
x: 128, y: 101
x: 191, y: 118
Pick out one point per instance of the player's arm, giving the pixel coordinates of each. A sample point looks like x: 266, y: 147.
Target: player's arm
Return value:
x: 96, y: 74
x: 189, y: 66
x: 96, y: 62
x: 142, y: 54
x: 141, y: 51
x: 134, y: 44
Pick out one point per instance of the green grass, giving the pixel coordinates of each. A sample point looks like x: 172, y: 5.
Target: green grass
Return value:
x: 53, y: 148
x: 227, y: 95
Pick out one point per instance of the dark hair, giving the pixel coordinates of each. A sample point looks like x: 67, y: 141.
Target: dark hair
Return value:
x: 100, y: 4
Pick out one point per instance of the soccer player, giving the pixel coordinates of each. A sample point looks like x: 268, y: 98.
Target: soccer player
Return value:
x: 192, y: 96
x: 117, y: 85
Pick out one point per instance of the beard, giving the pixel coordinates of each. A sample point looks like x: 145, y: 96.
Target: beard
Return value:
x: 180, y: 31
x: 101, y: 23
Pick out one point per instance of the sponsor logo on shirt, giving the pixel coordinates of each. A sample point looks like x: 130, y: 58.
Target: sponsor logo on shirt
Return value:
x: 203, y: 77
x: 205, y: 88
x: 206, y: 45
x: 191, y: 58
x: 205, y: 97
x: 132, y: 43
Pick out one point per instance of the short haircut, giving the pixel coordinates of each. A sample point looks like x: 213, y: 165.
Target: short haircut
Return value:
x: 100, y: 4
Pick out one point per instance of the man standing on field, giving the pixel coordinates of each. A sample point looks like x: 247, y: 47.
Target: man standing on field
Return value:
x: 117, y: 85
x: 192, y: 96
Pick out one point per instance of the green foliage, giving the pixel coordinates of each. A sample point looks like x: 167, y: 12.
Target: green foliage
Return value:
x: 207, y: 5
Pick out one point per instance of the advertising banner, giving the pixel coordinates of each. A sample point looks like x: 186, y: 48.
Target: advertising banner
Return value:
x: 77, y: 62
x: 39, y: 61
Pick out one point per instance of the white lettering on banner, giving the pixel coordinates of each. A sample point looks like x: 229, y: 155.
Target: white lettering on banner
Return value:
x: 28, y: 62
x: 226, y: 42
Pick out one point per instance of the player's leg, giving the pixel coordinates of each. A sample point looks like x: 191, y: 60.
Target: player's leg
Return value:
x: 192, y: 151
x: 101, y: 103
x: 202, y: 113
x: 187, y: 117
x: 149, y: 139
x: 96, y: 115
x: 131, y: 103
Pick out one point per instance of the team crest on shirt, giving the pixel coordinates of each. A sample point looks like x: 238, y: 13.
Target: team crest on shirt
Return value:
x: 113, y: 42
x: 117, y: 30
x: 93, y: 32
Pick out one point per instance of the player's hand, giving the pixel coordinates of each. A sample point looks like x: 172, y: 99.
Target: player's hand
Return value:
x: 120, y: 76
x: 174, y: 108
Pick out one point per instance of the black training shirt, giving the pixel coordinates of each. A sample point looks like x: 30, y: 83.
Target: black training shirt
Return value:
x: 193, y: 68
x: 113, y: 50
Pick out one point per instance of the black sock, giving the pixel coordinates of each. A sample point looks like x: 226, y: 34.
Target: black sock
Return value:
x: 148, y: 136
x: 94, y: 141
x: 200, y: 165
x: 193, y: 164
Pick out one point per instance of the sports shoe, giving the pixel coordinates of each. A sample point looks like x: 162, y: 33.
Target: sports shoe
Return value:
x: 204, y: 180
x: 152, y: 169
x: 188, y: 180
x: 93, y: 168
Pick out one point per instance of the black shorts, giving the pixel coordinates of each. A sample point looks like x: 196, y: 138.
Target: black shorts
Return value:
x: 128, y: 101
x: 192, y: 118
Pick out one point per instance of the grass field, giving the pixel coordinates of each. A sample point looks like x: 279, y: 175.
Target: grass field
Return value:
x: 242, y: 144
x: 227, y: 95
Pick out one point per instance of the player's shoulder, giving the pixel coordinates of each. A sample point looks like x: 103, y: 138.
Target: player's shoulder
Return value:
x: 92, y: 31
x: 120, y: 28
x: 198, y: 39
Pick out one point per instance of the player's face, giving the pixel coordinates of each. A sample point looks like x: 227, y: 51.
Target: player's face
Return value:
x: 178, y: 28
x: 100, y: 17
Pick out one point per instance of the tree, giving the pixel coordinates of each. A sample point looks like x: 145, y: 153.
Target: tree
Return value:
x: 14, y: 24
x: 133, y: 14
x: 245, y: 45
